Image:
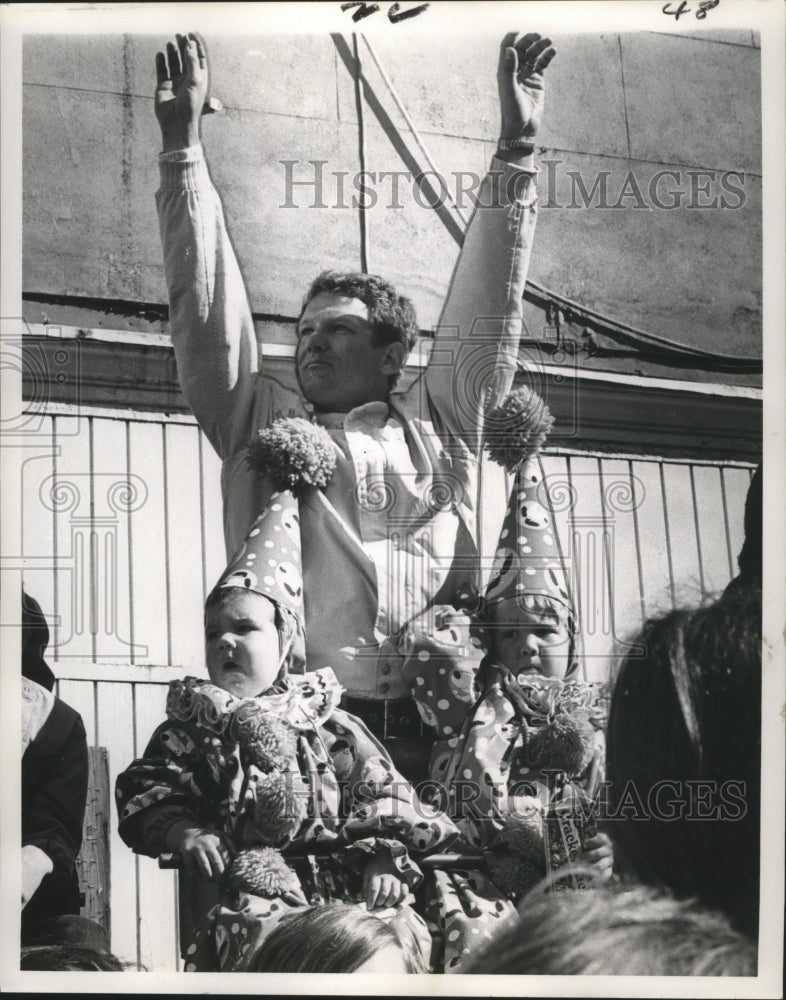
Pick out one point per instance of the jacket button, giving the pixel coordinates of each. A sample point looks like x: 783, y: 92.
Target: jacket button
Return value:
x: 384, y: 688
x: 385, y: 668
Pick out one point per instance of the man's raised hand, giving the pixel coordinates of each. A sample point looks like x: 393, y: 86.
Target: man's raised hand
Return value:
x: 522, y: 62
x: 181, y: 89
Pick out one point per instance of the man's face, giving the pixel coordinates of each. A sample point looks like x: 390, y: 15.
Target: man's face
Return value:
x: 241, y: 643
x: 338, y: 364
x: 529, y: 642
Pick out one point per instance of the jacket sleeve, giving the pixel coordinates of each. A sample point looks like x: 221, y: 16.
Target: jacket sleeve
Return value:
x: 210, y: 319
x: 476, y: 342
x: 440, y: 666
x: 54, y: 789
x: 171, y: 782
x: 382, y: 805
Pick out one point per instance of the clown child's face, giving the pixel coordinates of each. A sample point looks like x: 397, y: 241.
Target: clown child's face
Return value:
x: 529, y: 642
x: 241, y: 643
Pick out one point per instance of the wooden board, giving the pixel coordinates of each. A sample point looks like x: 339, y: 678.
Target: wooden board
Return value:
x: 66, y: 499
x: 115, y: 704
x: 92, y: 862
x: 148, y: 547
x: 184, y: 531
x: 157, y: 921
x: 623, y: 495
x: 117, y: 494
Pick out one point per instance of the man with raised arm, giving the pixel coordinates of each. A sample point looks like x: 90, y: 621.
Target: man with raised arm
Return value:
x: 393, y: 533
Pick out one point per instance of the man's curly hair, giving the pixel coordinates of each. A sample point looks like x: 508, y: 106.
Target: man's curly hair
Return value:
x: 392, y: 315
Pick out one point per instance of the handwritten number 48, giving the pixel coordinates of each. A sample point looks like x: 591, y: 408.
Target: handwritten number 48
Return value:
x: 683, y: 8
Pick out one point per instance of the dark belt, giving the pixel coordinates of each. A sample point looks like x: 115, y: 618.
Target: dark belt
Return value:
x: 387, y: 720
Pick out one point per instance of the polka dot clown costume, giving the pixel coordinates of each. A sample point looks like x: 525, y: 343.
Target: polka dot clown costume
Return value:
x: 279, y: 775
x: 519, y: 750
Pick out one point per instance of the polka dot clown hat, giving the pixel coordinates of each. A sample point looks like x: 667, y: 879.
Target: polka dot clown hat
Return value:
x: 295, y: 456
x: 268, y: 562
x: 528, y: 565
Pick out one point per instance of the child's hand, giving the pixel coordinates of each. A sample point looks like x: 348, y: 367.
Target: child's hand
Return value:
x: 204, y: 851
x: 597, y: 851
x: 382, y: 885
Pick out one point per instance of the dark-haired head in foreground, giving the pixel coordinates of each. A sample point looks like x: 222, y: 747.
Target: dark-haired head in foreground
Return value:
x: 684, y: 756
x: 337, y: 937
x: 35, y: 639
x: 749, y: 559
x: 68, y: 957
x: 615, y: 931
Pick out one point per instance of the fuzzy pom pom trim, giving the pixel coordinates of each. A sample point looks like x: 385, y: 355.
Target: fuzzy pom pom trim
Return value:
x: 517, y: 428
x: 262, y: 871
x: 267, y: 740
x: 517, y: 859
x: 566, y: 743
x: 280, y: 807
x: 294, y: 453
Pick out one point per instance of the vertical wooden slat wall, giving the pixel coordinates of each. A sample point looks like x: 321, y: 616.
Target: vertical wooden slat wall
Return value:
x: 122, y: 516
x: 623, y: 495
x: 149, y: 547
x: 184, y: 547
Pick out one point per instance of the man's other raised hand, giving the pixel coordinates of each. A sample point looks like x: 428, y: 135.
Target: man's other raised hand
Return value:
x: 181, y: 89
x: 522, y: 61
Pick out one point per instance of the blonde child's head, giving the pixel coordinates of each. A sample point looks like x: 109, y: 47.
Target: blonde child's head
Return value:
x: 248, y: 641
x: 339, y: 937
x: 530, y: 634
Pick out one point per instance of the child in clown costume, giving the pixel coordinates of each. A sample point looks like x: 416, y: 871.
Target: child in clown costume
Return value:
x: 260, y: 761
x: 520, y: 750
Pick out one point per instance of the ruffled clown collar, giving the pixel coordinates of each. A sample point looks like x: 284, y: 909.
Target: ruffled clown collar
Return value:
x: 308, y: 700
